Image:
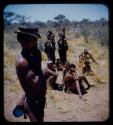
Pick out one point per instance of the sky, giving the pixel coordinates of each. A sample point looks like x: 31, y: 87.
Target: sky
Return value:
x: 73, y: 12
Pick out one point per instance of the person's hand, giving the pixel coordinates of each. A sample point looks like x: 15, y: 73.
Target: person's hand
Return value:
x: 20, y: 104
x: 54, y: 66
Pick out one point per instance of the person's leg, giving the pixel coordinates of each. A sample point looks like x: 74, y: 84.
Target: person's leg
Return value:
x: 29, y: 113
x: 64, y: 56
x: 34, y: 110
x: 49, y: 56
x: 54, y: 57
x: 79, y: 91
x: 60, y: 55
x: 72, y: 87
x: 65, y: 53
x: 86, y: 81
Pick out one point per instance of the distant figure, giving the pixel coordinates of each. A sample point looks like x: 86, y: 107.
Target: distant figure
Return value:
x: 50, y: 46
x: 63, y: 31
x: 62, y: 48
x: 84, y: 62
x: 73, y: 82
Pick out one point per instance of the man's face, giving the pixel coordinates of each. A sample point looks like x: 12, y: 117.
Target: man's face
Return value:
x: 50, y: 66
x: 85, y: 51
x: 72, y: 70
x: 29, y: 44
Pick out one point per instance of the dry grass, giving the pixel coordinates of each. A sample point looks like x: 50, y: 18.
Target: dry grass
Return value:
x: 9, y: 63
x: 44, y: 56
x: 76, y: 46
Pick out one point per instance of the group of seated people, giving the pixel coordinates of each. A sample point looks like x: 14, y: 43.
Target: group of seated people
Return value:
x: 71, y: 81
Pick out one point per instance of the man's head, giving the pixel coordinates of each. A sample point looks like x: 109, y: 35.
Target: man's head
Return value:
x: 85, y: 50
x: 61, y: 35
x: 63, y: 29
x: 50, y: 64
x: 49, y: 35
x: 27, y: 37
x: 58, y: 60
x: 67, y: 65
x: 72, y: 68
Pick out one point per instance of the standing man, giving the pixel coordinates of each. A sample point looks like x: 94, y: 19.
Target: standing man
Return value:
x: 84, y: 62
x: 85, y: 57
x: 29, y: 72
x: 50, y: 46
x: 62, y: 48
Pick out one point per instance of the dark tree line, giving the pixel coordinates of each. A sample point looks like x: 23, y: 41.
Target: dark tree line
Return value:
x: 97, y: 29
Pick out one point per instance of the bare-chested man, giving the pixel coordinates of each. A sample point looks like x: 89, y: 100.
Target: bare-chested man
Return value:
x: 84, y: 62
x: 30, y: 75
x: 73, y: 81
x: 50, y: 46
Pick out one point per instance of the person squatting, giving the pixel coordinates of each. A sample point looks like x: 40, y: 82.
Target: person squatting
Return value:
x: 33, y: 78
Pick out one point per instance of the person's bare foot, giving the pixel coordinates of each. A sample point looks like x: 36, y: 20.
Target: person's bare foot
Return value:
x: 89, y: 87
x: 92, y: 85
x: 82, y: 98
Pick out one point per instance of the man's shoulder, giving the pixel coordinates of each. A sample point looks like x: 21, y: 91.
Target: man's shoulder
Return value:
x: 21, y: 62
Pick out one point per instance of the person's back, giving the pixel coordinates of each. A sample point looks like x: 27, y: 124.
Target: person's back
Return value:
x: 29, y: 72
x: 26, y: 73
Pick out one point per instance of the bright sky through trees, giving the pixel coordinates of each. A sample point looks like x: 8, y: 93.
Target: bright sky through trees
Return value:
x: 44, y: 12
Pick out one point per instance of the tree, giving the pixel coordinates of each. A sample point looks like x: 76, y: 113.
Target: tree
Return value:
x: 40, y: 24
x: 101, y: 31
x: 66, y: 23
x: 85, y: 29
x: 21, y: 19
x: 59, y: 19
x: 9, y: 17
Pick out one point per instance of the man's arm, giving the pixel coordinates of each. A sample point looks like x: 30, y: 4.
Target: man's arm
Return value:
x: 25, y: 74
x: 68, y: 77
x: 51, y: 72
x: 93, y: 58
x: 21, y: 101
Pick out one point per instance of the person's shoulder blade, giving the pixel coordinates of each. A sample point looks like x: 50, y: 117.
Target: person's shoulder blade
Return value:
x: 21, y: 63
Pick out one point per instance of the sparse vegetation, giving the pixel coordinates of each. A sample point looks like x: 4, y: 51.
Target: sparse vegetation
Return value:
x: 76, y: 43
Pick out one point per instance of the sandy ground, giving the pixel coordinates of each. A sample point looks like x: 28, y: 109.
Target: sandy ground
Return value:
x: 67, y: 107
